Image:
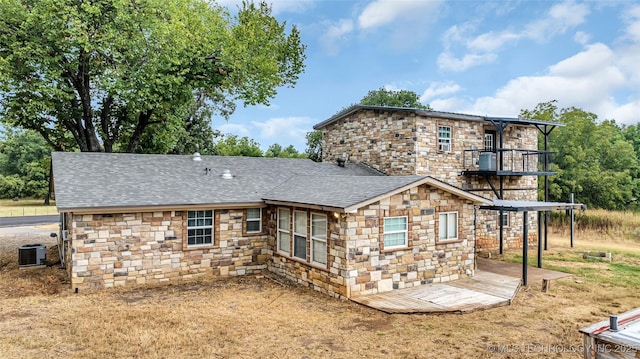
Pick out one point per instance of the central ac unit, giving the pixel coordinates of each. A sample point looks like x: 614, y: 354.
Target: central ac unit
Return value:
x: 487, y: 161
x: 32, y: 255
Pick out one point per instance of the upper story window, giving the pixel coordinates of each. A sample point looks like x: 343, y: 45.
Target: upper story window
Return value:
x: 319, y: 238
x: 395, y: 232
x: 448, y: 226
x: 490, y: 141
x: 254, y: 220
x: 199, y: 228
x: 284, y: 230
x: 444, y: 138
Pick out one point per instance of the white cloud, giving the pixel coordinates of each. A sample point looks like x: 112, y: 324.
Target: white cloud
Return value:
x: 448, y: 62
x: 588, y: 80
x: 491, y: 41
x: 284, y: 129
x: 595, y: 58
x: 407, y: 21
x: 483, y: 48
x: 438, y: 89
x: 632, y: 18
x: 233, y: 128
x: 335, y: 35
x: 383, y: 12
x: 582, y: 37
x: 559, y: 19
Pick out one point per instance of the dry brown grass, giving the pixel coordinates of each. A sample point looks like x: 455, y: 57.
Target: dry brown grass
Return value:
x: 26, y: 207
x: 257, y: 318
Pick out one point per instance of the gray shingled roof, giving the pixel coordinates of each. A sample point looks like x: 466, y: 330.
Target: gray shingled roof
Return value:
x: 438, y: 114
x: 103, y: 180
x: 337, y: 191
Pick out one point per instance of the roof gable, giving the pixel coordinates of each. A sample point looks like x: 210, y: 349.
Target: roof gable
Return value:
x: 349, y: 193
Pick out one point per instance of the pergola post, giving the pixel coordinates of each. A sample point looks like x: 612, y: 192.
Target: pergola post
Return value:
x: 539, y: 240
x: 572, y: 219
x: 525, y: 247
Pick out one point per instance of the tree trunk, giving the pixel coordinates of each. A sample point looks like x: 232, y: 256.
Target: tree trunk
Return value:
x: 143, y: 122
x: 83, y: 86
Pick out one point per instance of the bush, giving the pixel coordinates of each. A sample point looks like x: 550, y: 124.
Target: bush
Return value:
x: 11, y: 186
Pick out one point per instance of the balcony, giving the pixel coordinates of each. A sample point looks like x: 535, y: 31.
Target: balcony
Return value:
x: 515, y: 162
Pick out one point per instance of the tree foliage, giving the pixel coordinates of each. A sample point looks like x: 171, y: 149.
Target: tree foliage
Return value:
x: 393, y: 98
x: 314, y: 146
x: 121, y: 75
x: 593, y: 159
x: 24, y: 164
x: 232, y: 145
x: 276, y: 150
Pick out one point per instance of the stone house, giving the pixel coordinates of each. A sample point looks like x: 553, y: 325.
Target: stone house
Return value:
x: 343, y: 229
x: 496, y: 158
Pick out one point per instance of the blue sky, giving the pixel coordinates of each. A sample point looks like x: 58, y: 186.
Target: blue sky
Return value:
x: 477, y: 57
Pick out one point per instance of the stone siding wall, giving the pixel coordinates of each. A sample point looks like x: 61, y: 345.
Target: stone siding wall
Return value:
x: 383, y: 140
x: 329, y: 279
x: 148, y: 247
x: 373, y: 269
x: 358, y: 263
x: 403, y: 143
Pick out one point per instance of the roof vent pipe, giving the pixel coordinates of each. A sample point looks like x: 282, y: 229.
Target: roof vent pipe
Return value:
x: 613, y: 323
x: 341, y: 161
x: 196, y: 156
x: 226, y: 174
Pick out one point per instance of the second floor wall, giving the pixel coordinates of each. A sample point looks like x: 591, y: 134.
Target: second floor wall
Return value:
x: 407, y: 142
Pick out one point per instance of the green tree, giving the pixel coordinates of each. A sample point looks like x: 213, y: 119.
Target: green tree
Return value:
x: 24, y: 164
x: 232, y: 145
x: 314, y: 146
x: 593, y: 160
x: 119, y: 75
x: 276, y: 150
x: 393, y: 98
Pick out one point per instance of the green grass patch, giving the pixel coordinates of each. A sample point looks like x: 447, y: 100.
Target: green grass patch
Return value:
x: 26, y: 207
x: 623, y: 272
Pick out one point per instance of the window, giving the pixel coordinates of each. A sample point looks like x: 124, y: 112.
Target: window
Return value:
x: 254, y: 220
x: 444, y: 138
x: 504, y: 219
x: 319, y: 238
x: 284, y: 234
x: 395, y: 232
x: 448, y: 226
x: 199, y: 228
x: 490, y: 141
x: 300, y: 234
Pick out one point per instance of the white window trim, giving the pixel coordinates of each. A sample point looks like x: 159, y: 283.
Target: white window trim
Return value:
x: 490, y: 146
x: 212, y: 226
x: 507, y: 215
x: 317, y: 239
x: 259, y: 220
x: 405, y: 231
x: 442, y: 141
x: 282, y: 230
x: 448, y: 239
x: 305, y: 235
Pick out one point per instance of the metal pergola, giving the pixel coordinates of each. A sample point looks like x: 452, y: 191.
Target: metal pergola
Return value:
x: 525, y: 207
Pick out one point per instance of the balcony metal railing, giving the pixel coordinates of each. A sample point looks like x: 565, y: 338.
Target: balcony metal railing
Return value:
x: 514, y: 161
